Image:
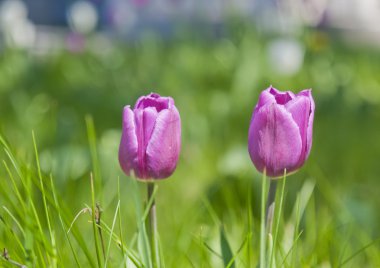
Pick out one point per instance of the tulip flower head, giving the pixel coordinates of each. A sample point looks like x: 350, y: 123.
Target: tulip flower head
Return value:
x: 280, y: 132
x: 151, y: 138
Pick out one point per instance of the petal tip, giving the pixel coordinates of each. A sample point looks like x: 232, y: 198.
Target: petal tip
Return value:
x: 306, y: 92
x: 154, y: 95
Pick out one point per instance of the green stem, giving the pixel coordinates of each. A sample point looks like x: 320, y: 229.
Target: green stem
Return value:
x: 271, y: 202
x: 278, y: 217
x: 262, y: 224
x: 153, y: 226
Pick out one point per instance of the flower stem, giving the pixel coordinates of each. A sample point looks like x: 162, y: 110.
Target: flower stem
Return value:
x: 271, y: 205
x: 153, y: 226
x: 272, y: 259
x: 262, y: 223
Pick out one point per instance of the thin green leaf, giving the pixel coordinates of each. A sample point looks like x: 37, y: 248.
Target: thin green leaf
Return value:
x: 131, y: 254
x: 110, y: 239
x: 225, y: 248
x: 358, y: 252
x: 52, y: 238
x: 94, y: 227
x: 212, y: 250
x: 15, y: 220
x: 246, y: 240
x: 291, y: 249
x: 62, y: 224
x: 91, y: 135
x: 249, y: 227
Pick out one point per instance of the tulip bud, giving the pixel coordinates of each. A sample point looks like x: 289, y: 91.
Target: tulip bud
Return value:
x: 280, y: 132
x: 151, y: 138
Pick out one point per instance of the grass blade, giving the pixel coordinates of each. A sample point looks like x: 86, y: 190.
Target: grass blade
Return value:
x: 52, y: 238
x: 246, y: 240
x: 112, y: 228
x: 15, y: 220
x: 142, y: 240
x: 291, y: 249
x: 120, y: 221
x: 358, y: 252
x: 129, y: 253
x: 225, y: 248
x: 61, y: 221
x: 93, y: 206
x: 250, y: 226
x: 91, y: 135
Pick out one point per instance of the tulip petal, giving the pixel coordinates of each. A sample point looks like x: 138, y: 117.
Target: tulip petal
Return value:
x: 300, y: 109
x: 281, y: 97
x: 145, y: 120
x: 265, y: 97
x: 307, y: 93
x: 164, y: 146
x: 274, y: 140
x: 149, y: 118
x: 154, y: 100
x: 128, y: 145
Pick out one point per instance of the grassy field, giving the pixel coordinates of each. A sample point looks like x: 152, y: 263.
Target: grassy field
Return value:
x: 209, y: 210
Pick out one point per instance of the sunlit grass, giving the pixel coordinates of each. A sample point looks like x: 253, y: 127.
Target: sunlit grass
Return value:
x: 31, y: 236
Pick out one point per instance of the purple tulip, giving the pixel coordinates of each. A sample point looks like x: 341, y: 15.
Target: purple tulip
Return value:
x: 280, y: 133
x: 151, y: 138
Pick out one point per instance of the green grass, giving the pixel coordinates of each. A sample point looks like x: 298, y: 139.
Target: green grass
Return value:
x: 209, y: 211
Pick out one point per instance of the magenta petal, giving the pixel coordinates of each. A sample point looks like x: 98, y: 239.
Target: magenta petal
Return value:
x: 274, y: 140
x: 300, y: 109
x: 154, y: 100
x: 128, y: 144
x: 145, y: 120
x: 309, y: 134
x: 164, y: 146
x: 150, y: 115
x: 306, y: 93
x: 281, y: 97
x: 265, y: 98
x: 139, y: 122
x: 310, y: 125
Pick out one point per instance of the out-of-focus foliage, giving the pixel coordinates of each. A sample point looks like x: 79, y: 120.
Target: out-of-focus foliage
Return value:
x: 215, y: 83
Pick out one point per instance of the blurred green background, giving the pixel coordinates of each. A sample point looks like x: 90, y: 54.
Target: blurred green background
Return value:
x: 215, y: 81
